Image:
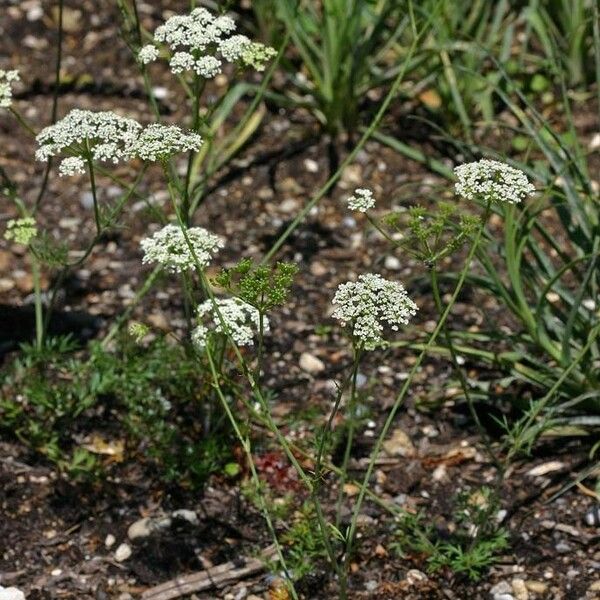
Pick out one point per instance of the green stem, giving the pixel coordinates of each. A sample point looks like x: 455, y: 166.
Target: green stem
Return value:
x: 460, y: 374
x: 350, y: 434
x: 57, y: 67
x: 248, y: 451
x: 37, y: 289
x: 90, y: 164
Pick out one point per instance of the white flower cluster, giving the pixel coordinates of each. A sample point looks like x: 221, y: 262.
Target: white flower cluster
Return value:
x: 106, y: 135
x: 241, y: 321
x: 158, y: 142
x: 197, y: 38
x: 148, y: 54
x: 370, y: 304
x: 7, y: 78
x: 72, y: 165
x: 362, y: 200
x: 109, y: 137
x: 492, y: 181
x: 169, y: 248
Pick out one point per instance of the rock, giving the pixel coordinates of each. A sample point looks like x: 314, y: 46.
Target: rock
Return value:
x: 502, y: 587
x: 519, y: 589
x: 545, y: 468
x: 504, y: 597
x: 186, y: 515
x: 399, y: 444
x: 414, y: 576
x: 11, y: 593
x: 146, y: 526
x: 110, y: 540
x: 563, y: 547
x: 392, y: 263
x: 595, y: 587
x: 123, y: 552
x: 140, y: 529
x: 253, y: 597
x: 537, y: 587
x: 311, y: 364
x: 242, y: 593
x: 371, y: 585
x: 312, y: 166
x: 318, y: 269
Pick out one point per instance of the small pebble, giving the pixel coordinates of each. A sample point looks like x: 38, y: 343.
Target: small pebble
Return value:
x: 11, y: 593
x: 311, y: 364
x: 123, y: 552
x: 519, y: 589
x: 110, y: 540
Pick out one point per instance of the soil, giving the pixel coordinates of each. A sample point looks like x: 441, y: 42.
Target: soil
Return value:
x: 53, y: 533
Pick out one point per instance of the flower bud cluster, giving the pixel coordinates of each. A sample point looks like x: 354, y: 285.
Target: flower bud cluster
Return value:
x: 21, y: 231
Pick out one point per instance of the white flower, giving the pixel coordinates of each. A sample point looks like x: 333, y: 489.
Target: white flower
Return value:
x: 492, y: 181
x: 148, y: 54
x: 241, y: 321
x: 107, y: 135
x: 72, y: 165
x: 6, y: 80
x: 181, y: 61
x: 208, y: 66
x: 169, y: 248
x: 362, y: 200
x: 195, y: 39
x: 370, y: 304
x: 232, y: 48
x: 158, y: 142
x: 195, y: 31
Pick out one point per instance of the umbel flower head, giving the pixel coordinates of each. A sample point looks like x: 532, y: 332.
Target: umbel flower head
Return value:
x: 362, y: 200
x: 169, y: 248
x: 492, y: 181
x: 195, y: 41
x: 241, y: 321
x: 21, y: 231
x: 159, y: 142
x: 7, y: 78
x: 370, y: 305
x: 107, y: 136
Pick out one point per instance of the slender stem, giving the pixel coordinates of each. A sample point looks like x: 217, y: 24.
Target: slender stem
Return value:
x: 90, y: 164
x: 460, y: 374
x: 57, y: 68
x: 350, y: 434
x: 37, y: 289
x: 245, y: 442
